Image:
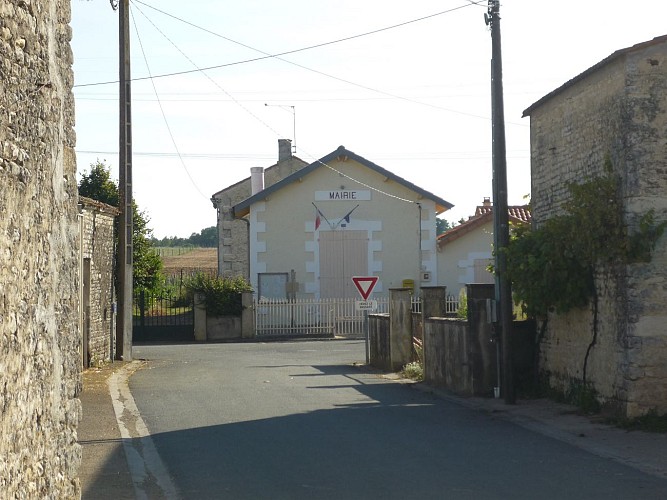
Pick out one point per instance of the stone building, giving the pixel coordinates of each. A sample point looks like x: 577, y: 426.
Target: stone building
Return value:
x: 97, y: 281
x: 339, y: 217
x: 39, y: 267
x: 616, y: 109
x: 232, y: 232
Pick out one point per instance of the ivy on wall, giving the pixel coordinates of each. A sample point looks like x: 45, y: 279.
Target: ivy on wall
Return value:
x: 553, y: 267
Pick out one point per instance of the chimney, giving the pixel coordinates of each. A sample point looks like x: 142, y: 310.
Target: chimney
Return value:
x: 284, y: 149
x: 256, y: 180
x: 486, y: 202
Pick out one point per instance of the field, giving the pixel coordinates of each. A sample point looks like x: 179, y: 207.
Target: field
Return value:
x: 191, y: 260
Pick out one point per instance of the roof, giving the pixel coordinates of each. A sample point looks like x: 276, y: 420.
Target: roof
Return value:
x: 247, y: 179
x: 616, y: 55
x: 517, y: 213
x: 243, y: 208
x: 98, y: 205
x: 483, y: 215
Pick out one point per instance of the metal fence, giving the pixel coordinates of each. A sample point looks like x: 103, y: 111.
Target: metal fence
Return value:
x: 321, y: 317
x: 162, y: 317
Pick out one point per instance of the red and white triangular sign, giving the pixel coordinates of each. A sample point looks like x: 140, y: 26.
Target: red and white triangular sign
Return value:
x: 365, y: 285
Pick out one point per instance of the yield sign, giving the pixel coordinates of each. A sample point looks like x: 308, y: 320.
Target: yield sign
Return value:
x: 365, y: 285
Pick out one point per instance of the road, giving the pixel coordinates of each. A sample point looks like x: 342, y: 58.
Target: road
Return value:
x: 297, y: 420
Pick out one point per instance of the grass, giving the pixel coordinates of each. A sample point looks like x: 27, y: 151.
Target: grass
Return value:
x: 413, y: 371
x: 651, y: 422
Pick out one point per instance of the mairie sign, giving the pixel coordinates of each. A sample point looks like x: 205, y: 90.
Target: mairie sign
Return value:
x: 365, y: 285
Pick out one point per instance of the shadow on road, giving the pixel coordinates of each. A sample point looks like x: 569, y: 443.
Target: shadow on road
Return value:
x: 385, y: 441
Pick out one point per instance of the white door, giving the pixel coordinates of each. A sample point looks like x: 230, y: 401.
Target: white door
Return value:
x: 343, y: 254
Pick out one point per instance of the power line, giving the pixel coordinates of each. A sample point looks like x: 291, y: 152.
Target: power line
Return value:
x: 203, y: 72
x: 266, y: 55
x: 435, y: 156
x: 164, y: 116
x: 327, y: 75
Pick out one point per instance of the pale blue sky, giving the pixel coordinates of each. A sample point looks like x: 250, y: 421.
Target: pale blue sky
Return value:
x: 414, y: 99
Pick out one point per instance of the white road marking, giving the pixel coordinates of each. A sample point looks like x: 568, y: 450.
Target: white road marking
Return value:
x: 149, y: 474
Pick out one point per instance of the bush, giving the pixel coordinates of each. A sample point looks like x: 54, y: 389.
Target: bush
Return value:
x: 462, y: 312
x: 222, y: 296
x: 413, y: 370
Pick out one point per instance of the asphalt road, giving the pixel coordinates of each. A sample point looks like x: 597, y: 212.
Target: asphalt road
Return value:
x: 297, y: 420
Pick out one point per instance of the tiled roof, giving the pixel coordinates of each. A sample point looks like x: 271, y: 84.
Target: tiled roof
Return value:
x: 98, y: 205
x: 520, y: 213
x: 483, y: 215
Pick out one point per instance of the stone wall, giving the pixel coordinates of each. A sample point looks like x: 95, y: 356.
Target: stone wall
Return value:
x: 618, y: 109
x: 39, y: 336
x: 97, y: 254
x: 232, y: 232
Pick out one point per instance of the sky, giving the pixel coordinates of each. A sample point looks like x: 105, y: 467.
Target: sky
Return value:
x: 405, y: 85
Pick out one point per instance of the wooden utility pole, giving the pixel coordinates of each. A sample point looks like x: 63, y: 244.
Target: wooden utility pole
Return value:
x: 500, y: 212
x: 124, y: 260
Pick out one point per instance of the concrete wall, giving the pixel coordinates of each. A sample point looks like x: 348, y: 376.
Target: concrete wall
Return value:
x: 97, y: 242
x: 459, y: 354
x: 618, y: 109
x: 379, y: 343
x: 39, y: 336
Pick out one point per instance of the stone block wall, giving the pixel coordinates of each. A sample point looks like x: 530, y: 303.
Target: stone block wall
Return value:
x: 618, y: 109
x: 97, y: 245
x: 39, y: 336
x: 232, y: 232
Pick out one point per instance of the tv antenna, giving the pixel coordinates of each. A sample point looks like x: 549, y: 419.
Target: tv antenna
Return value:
x: 290, y: 109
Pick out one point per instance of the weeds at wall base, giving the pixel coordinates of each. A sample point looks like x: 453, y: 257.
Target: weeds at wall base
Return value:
x: 651, y: 422
x: 413, y: 371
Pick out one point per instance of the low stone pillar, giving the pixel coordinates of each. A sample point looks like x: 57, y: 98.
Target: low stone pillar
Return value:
x: 434, y: 301
x: 247, y: 316
x: 200, y: 317
x: 434, y: 305
x: 400, y: 327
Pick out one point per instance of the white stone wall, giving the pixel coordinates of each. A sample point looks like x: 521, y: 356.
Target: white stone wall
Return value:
x: 39, y: 335
x: 619, y: 110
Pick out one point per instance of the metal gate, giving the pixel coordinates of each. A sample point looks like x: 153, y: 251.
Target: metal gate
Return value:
x: 162, y: 317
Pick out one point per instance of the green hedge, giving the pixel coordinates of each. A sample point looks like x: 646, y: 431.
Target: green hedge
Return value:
x: 222, y: 296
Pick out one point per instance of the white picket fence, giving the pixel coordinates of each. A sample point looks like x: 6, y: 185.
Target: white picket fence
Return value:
x: 320, y: 317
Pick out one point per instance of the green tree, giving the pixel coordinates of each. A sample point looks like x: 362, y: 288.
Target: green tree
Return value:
x: 147, y: 265
x: 207, y: 238
x: 442, y: 225
x: 98, y: 185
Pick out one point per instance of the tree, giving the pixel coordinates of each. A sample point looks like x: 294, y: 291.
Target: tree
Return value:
x: 97, y: 184
x: 207, y: 238
x: 147, y: 265
x: 442, y: 225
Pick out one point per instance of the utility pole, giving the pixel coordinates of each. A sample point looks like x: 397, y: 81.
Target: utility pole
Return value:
x: 500, y: 212
x: 124, y: 260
